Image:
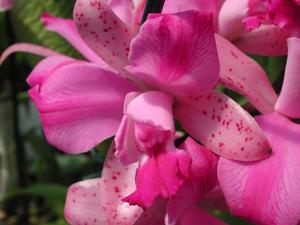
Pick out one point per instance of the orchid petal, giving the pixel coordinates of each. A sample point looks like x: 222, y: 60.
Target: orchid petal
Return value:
x: 29, y: 48
x: 6, y: 4
x: 197, y: 216
x: 267, y: 191
x: 243, y: 75
x: 184, y: 60
x: 290, y: 93
x: 98, y: 201
x: 66, y: 28
x: 153, y: 108
x: 103, y: 31
x: 267, y: 40
x: 214, y: 200
x: 202, y: 180
x: 80, y: 105
x: 231, y: 15
x: 46, y: 67
x: 123, y: 9
x: 223, y: 126
x: 166, y: 172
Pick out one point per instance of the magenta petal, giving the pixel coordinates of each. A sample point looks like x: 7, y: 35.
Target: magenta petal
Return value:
x: 6, y: 4
x: 197, y: 216
x: 66, y: 28
x: 46, y: 67
x: 268, y: 191
x: 28, y: 48
x: 231, y: 15
x: 98, y: 201
x: 288, y: 101
x: 243, y: 75
x: 223, y: 126
x: 176, y: 53
x: 166, y: 172
x: 80, y: 105
x: 103, y: 31
x: 267, y: 40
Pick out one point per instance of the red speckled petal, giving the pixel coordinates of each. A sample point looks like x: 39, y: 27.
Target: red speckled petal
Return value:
x: 66, y: 28
x: 223, y: 126
x: 268, y: 191
x: 80, y: 105
x: 267, y: 40
x: 124, y: 9
x: 103, y: 31
x: 98, y: 201
x: 176, y: 53
x: 46, y: 67
x: 243, y: 75
x: 288, y: 101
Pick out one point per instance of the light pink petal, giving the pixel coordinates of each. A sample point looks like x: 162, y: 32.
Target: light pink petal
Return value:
x: 267, y: 40
x: 176, y: 53
x: 197, y: 216
x: 243, y: 75
x: 6, y: 4
x: 223, y: 126
x: 153, y: 108
x: 175, y: 6
x: 159, y: 175
x: 124, y: 9
x: 103, y: 31
x: 66, y: 28
x: 288, y: 101
x: 28, y: 48
x: 268, y: 191
x: 202, y: 180
x: 98, y: 201
x: 231, y: 15
x: 46, y: 67
x: 80, y: 105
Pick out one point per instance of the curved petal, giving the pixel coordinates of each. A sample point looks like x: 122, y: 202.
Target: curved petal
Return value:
x: 290, y: 93
x: 268, y: 191
x: 267, y: 40
x: 176, y: 53
x: 103, y: 31
x: 223, y: 126
x: 66, y: 28
x: 175, y: 6
x: 243, y: 75
x: 46, y: 67
x: 124, y: 9
x: 98, y: 201
x: 28, y: 48
x: 6, y: 4
x: 80, y: 105
x: 153, y: 108
x: 231, y: 15
x: 197, y: 216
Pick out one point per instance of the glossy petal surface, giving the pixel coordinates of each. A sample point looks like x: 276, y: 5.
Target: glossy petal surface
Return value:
x: 98, y: 201
x: 240, y: 73
x: 268, y: 191
x: 80, y: 106
x: 103, y: 31
x: 223, y: 126
x: 288, y: 101
x: 176, y: 53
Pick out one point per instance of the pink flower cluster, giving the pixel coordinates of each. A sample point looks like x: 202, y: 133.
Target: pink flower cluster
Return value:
x: 137, y: 80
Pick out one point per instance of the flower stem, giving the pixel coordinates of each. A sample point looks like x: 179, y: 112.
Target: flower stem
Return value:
x: 152, y: 6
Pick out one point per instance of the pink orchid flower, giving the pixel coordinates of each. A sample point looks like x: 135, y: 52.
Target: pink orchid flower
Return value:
x: 235, y: 20
x: 267, y: 192
x: 75, y: 121
x: 6, y: 4
x: 99, y: 201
